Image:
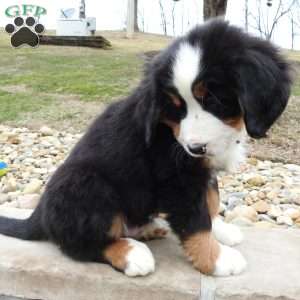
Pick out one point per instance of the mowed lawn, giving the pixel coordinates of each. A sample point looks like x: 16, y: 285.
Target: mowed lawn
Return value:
x: 66, y: 87
x: 54, y: 84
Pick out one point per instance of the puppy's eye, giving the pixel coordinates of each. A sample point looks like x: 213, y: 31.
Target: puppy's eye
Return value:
x: 199, y: 90
x: 176, y: 101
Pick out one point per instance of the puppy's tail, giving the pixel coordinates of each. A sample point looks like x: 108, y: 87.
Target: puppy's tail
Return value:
x: 28, y: 229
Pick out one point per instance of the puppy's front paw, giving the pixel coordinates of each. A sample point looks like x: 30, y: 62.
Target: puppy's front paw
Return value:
x: 140, y: 261
x: 227, y: 234
x: 229, y: 262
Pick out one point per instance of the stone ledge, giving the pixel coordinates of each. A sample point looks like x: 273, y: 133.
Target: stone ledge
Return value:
x: 38, y: 270
x: 273, y: 271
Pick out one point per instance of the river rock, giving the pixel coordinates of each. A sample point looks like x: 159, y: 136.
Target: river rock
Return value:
x: 244, y: 211
x: 29, y: 201
x: 285, y: 220
x: 46, y: 131
x: 261, y: 206
x: 256, y: 181
x: 274, y: 211
x: 293, y: 213
x: 33, y: 187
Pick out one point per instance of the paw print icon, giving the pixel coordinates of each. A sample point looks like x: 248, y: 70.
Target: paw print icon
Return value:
x: 24, y: 32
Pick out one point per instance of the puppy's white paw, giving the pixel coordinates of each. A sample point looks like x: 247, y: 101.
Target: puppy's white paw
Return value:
x: 140, y: 260
x: 227, y: 234
x: 230, y: 262
x: 157, y: 229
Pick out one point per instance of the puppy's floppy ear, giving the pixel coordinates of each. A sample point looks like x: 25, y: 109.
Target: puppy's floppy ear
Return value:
x: 147, y: 111
x: 264, y: 86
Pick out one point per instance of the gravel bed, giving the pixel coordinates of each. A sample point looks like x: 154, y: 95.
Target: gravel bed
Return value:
x: 264, y: 194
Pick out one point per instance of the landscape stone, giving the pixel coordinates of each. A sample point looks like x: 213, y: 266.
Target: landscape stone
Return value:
x: 264, y: 217
x: 241, y: 221
x: 274, y: 211
x: 252, y: 161
x: 28, y: 201
x: 233, y: 201
x: 3, y: 198
x: 245, y: 211
x: 286, y: 220
x: 46, y: 131
x: 293, y: 213
x: 272, y: 195
x: 33, y: 187
x: 261, y: 206
x: 11, y: 185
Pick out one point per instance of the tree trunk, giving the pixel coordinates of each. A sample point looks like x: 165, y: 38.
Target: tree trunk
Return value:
x: 293, y: 32
x: 130, y: 18
x: 246, y: 15
x: 136, y: 25
x: 214, y: 8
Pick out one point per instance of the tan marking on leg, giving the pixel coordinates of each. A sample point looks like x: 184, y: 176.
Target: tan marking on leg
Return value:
x: 116, y: 253
x: 202, y: 250
x: 213, y: 201
x: 237, y: 123
x: 117, y: 227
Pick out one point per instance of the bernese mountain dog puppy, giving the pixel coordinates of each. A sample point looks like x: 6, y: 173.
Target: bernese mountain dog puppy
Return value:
x: 158, y: 151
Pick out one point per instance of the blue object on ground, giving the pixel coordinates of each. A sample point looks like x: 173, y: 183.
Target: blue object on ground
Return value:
x: 3, y: 168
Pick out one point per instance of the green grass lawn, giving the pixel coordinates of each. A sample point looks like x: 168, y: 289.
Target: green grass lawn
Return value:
x: 36, y: 80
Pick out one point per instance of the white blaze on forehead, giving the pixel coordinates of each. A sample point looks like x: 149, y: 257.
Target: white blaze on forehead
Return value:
x: 186, y: 68
x: 200, y: 126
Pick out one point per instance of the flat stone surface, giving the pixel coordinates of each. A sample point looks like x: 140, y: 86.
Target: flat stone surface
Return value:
x: 273, y: 272
x: 38, y: 270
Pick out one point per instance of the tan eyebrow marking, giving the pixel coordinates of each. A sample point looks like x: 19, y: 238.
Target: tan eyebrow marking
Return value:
x: 175, y: 100
x: 237, y: 123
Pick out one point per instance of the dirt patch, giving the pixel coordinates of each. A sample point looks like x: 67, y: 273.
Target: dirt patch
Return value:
x: 14, y: 89
x: 283, y: 142
x: 66, y: 113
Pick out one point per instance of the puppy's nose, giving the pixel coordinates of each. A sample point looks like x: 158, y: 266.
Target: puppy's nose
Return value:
x: 197, y: 148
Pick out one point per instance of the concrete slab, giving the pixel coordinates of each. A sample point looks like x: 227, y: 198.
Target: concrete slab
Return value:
x: 38, y: 270
x: 273, y: 271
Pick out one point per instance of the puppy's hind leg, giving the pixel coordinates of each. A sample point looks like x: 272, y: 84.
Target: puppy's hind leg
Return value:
x: 158, y: 228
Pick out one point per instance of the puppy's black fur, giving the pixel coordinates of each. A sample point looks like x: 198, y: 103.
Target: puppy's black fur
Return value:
x: 129, y: 161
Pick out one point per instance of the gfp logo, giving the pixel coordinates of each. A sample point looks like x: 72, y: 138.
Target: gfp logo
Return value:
x: 24, y: 32
x: 25, y: 10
